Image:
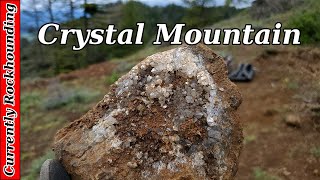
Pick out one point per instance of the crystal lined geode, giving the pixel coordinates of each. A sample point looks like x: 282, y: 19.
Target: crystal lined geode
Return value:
x: 171, y: 117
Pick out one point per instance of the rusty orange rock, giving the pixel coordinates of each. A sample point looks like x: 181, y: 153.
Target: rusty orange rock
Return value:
x: 173, y: 116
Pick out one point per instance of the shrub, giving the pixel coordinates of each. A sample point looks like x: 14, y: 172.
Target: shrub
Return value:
x: 60, y: 96
x: 112, y: 78
x: 265, y: 8
x: 29, y: 102
x: 308, y: 23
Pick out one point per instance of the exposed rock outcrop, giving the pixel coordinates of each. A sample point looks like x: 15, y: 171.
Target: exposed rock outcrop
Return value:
x: 171, y: 117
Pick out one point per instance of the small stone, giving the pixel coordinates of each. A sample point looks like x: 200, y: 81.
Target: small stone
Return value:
x: 149, y: 78
x: 174, y: 138
x: 175, y: 128
x: 143, y: 67
x: 286, y: 172
x: 139, y: 155
x: 140, y: 107
x: 214, y: 134
x: 132, y: 164
x: 293, y: 120
x: 189, y: 99
x: 199, y: 115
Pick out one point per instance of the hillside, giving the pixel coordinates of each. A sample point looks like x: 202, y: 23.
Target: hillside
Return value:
x: 51, y: 60
x: 246, y: 17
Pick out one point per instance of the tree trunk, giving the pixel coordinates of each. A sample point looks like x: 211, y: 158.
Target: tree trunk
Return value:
x: 86, y: 27
x: 85, y: 15
x: 37, y: 22
x: 50, y: 10
x: 71, y: 9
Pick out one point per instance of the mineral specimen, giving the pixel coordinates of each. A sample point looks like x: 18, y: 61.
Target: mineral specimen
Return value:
x: 171, y: 117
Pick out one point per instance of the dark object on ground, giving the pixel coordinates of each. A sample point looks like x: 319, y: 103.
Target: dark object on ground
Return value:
x: 244, y: 73
x: 51, y: 169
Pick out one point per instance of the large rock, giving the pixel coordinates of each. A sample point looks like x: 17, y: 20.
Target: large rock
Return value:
x: 171, y: 117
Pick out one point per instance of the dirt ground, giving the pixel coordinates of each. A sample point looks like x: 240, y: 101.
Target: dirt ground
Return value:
x: 280, y: 113
x: 286, y: 84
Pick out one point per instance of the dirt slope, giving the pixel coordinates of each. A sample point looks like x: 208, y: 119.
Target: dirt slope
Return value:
x: 287, y: 82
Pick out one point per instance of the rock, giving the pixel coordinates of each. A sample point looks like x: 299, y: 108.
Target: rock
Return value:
x: 165, y: 119
x: 285, y: 172
x: 293, y: 120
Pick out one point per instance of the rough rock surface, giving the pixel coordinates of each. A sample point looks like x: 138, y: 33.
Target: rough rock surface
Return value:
x: 171, y: 117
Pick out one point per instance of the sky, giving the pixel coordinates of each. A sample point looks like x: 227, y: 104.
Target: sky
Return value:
x: 166, y: 2
x: 28, y: 21
x: 24, y: 4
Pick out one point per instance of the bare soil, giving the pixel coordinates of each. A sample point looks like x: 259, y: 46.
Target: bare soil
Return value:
x: 287, y: 82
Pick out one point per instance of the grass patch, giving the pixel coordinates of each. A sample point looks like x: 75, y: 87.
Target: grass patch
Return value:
x: 293, y: 85
x: 26, y: 155
x: 124, y: 67
x: 315, y: 151
x: 249, y: 138
x: 260, y: 174
x: 34, y: 170
x: 290, y: 84
x: 67, y: 97
x: 51, y: 122
x: 112, y: 78
x: 29, y: 102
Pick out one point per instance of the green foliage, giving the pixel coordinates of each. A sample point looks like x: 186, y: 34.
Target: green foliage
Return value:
x: 265, y: 8
x: 195, y: 14
x: 315, y: 151
x: 51, y: 122
x: 112, y: 78
x: 91, y: 8
x: 259, y: 174
x: 171, y: 15
x: 291, y: 83
x: 63, y: 97
x: 37, y: 119
x: 34, y: 170
x: 134, y: 12
x: 308, y: 22
x: 249, y: 138
x: 47, y: 61
x: 29, y: 101
x: 230, y: 2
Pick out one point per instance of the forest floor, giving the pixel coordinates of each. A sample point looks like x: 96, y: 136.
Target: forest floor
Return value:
x: 280, y: 112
